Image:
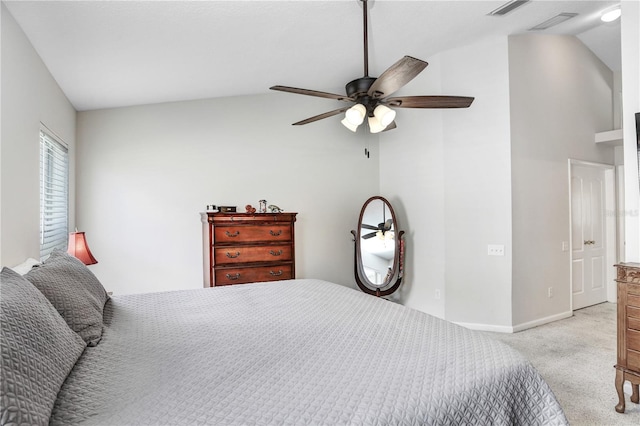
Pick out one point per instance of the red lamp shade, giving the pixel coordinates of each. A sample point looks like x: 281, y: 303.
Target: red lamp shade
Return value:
x: 78, y: 247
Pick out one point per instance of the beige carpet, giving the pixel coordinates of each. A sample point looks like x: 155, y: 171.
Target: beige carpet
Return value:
x: 576, y: 357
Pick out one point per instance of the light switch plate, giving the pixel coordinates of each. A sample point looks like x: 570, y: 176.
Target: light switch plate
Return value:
x: 495, y: 250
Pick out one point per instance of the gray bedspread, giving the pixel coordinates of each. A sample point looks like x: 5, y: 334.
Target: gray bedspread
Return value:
x: 299, y: 352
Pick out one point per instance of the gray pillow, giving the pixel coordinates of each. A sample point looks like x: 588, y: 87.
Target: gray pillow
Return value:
x: 38, y: 352
x: 74, y: 291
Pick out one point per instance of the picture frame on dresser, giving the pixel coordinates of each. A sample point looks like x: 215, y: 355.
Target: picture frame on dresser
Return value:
x: 240, y: 248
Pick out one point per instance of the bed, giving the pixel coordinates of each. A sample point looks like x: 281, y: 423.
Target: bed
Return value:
x: 298, y: 352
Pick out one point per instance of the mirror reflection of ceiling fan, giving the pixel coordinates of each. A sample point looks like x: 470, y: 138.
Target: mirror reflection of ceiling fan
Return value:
x: 380, y: 230
x: 371, y: 95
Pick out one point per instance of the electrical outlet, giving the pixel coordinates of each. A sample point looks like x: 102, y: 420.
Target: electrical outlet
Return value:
x: 550, y: 292
x: 565, y: 246
x: 437, y: 294
x: 495, y: 250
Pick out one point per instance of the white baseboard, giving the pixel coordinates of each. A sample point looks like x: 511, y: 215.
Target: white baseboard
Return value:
x: 516, y: 328
x: 541, y: 321
x: 486, y: 327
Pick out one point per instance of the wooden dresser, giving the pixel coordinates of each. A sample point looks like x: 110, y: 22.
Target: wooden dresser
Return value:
x: 628, y: 366
x: 248, y: 247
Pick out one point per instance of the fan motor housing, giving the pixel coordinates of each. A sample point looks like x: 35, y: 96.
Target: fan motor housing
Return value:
x: 359, y: 87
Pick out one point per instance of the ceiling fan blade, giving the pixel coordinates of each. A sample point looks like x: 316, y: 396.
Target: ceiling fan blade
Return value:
x: 321, y: 116
x: 391, y: 126
x: 429, y: 102
x: 311, y: 93
x: 367, y: 236
x: 396, y: 76
x: 365, y: 226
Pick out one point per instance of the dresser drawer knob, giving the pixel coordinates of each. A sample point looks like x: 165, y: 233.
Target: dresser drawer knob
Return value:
x: 276, y: 274
x: 233, y: 277
x: 275, y: 253
x: 233, y: 256
x: 275, y: 233
x: 229, y: 234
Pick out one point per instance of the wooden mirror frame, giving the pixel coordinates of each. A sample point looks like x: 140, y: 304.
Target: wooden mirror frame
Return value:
x: 389, y: 286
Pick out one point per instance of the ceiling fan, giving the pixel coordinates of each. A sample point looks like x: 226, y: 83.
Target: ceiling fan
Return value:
x: 371, y: 95
x: 382, y: 228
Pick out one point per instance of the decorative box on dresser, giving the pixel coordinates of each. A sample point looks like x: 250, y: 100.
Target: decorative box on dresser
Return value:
x: 243, y: 248
x: 628, y: 366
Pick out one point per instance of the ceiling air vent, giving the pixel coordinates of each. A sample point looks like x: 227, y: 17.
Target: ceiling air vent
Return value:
x: 558, y: 19
x: 507, y: 7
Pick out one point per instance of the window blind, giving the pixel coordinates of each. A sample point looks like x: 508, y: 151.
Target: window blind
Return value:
x: 54, y: 195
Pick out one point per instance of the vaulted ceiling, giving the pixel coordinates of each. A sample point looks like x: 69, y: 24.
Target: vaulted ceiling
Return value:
x: 118, y: 53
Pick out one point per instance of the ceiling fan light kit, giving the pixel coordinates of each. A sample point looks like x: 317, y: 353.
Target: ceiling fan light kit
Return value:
x: 371, y: 95
x: 375, y: 126
x: 355, y: 115
x: 349, y: 125
x: 385, y: 114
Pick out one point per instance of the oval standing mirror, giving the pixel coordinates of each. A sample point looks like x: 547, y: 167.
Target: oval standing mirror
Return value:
x: 379, y: 248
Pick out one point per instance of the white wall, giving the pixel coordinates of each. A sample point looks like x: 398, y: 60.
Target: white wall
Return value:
x: 447, y: 174
x: 30, y: 96
x: 496, y: 173
x: 144, y: 174
x: 630, y: 33
x: 561, y: 95
x: 477, y: 185
x: 411, y: 178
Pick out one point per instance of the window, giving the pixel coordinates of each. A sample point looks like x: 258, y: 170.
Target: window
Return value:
x: 54, y: 194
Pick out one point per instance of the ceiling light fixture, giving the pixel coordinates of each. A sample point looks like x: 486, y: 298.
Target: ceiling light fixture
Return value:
x: 354, y: 117
x: 346, y: 123
x: 381, y: 118
x: 371, y: 95
x: 385, y: 114
x: 375, y: 126
x: 611, y: 15
x: 356, y: 114
x: 558, y: 19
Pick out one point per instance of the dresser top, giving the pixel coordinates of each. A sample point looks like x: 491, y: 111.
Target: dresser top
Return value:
x: 628, y: 265
x: 248, y: 217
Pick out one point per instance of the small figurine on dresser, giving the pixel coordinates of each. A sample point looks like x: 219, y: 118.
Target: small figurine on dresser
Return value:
x: 250, y: 209
x: 274, y: 209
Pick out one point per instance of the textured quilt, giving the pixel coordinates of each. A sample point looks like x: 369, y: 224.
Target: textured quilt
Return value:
x: 299, y: 352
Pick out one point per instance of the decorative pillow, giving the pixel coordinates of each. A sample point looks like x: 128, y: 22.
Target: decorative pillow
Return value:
x: 25, y: 266
x: 38, y: 352
x: 74, y: 291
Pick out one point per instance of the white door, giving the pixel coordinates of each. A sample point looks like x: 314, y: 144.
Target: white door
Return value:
x: 588, y: 234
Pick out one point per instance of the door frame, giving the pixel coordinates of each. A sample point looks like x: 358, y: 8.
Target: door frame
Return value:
x: 610, y: 215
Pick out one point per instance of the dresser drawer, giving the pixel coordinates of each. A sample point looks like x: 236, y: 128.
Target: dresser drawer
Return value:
x: 248, y: 254
x: 633, y: 300
x: 633, y: 323
x: 633, y: 289
x: 633, y: 360
x: 633, y: 340
x: 633, y: 312
x: 228, y: 276
x: 252, y: 233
